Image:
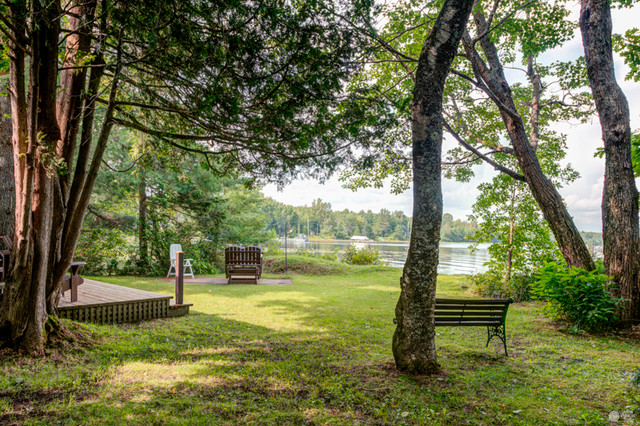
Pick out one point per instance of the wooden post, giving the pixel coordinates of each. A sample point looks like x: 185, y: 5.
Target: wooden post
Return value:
x: 179, y: 277
x: 286, y: 269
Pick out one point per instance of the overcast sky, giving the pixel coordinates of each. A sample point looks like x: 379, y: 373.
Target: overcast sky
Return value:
x: 583, y: 197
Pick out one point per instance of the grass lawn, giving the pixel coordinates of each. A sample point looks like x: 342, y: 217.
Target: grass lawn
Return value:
x: 317, y: 352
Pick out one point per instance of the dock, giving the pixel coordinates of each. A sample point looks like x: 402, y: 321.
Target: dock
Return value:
x: 108, y: 303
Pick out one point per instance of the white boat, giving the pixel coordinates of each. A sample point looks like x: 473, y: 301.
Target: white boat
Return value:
x: 360, y: 241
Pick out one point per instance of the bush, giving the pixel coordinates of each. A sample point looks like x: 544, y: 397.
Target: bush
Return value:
x: 332, y: 255
x: 103, y: 250
x: 272, y: 247
x: 583, y: 298
x: 363, y: 256
x: 489, y: 284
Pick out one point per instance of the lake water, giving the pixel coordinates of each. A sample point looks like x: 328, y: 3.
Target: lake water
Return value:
x: 455, y: 258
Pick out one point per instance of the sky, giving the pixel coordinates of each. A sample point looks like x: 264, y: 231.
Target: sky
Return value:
x: 583, y: 197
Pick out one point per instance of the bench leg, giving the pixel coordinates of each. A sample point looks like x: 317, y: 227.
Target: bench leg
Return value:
x: 499, y: 332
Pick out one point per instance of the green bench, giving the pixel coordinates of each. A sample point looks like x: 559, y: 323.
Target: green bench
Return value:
x: 490, y: 313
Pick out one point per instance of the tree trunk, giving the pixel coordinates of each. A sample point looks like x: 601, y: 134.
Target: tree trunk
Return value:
x: 7, y: 185
x: 49, y: 211
x: 143, y: 243
x: 414, y: 338
x: 620, y: 195
x: 569, y: 240
x: 23, y: 312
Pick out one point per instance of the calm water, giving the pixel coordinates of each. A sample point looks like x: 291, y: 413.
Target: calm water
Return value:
x: 455, y: 258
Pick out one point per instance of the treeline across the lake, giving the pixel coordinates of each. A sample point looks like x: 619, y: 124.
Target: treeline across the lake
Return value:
x: 320, y: 221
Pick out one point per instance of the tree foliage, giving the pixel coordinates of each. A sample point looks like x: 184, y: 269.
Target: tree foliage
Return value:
x: 257, y: 85
x: 492, y: 119
x: 510, y: 220
x: 184, y: 202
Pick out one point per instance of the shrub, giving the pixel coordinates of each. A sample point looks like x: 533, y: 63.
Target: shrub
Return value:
x: 273, y: 247
x: 330, y: 255
x: 489, y: 284
x: 363, y: 256
x: 583, y: 298
x: 102, y: 249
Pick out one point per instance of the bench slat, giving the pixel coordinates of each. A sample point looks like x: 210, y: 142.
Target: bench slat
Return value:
x: 472, y: 307
x: 467, y: 318
x: 468, y: 323
x: 480, y: 317
x: 474, y: 301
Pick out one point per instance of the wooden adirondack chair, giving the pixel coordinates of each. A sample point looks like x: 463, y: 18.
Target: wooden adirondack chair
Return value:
x: 243, y: 265
x: 188, y: 269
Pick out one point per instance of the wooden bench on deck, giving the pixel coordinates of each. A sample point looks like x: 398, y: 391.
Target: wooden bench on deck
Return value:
x: 243, y: 265
x: 490, y: 313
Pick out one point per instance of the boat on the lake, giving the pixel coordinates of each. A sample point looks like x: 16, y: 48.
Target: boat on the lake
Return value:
x: 360, y: 239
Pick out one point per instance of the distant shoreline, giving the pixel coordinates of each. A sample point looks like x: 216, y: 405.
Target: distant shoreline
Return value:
x: 327, y: 240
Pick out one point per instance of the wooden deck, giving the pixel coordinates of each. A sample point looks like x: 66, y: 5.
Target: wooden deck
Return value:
x: 109, y: 303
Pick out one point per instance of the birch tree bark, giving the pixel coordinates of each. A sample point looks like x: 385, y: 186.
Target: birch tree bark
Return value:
x: 414, y: 338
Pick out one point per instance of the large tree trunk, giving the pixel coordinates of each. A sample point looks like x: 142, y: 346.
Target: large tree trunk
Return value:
x: 23, y: 312
x: 573, y: 248
x: 7, y: 186
x: 414, y: 338
x: 49, y: 210
x: 620, y: 196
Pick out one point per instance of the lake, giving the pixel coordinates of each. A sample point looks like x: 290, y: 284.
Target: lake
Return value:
x: 455, y: 258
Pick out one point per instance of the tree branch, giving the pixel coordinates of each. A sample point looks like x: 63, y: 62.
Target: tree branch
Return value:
x: 488, y: 160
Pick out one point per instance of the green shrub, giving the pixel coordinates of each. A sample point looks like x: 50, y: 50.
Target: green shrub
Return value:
x: 363, y: 256
x: 332, y: 255
x: 489, y: 284
x: 583, y: 298
x: 272, y: 247
x: 103, y: 250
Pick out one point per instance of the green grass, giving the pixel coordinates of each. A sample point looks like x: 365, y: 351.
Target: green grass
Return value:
x: 316, y: 352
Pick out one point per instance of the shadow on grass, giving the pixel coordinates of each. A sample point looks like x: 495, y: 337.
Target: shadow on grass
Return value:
x: 313, y: 353
x: 202, y: 368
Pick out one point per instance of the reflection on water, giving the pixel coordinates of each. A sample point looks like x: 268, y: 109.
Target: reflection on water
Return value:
x: 455, y: 258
